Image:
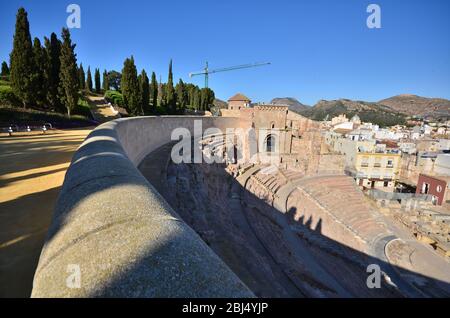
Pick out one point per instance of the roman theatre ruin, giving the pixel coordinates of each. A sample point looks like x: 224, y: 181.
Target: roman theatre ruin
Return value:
x: 130, y: 222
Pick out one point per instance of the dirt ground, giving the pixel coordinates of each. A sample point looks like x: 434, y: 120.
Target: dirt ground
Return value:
x: 32, y: 169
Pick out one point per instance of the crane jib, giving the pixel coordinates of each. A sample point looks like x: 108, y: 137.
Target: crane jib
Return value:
x: 206, y: 71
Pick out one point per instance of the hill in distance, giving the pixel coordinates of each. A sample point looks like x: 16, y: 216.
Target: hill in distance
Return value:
x: 291, y: 102
x: 369, y: 112
x: 413, y: 105
x: 220, y: 103
x: 387, y: 112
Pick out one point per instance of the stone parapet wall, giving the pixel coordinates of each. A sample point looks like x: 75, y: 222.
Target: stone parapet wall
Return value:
x: 112, y: 233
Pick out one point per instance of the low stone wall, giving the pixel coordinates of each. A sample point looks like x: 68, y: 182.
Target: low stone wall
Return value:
x: 394, y: 196
x: 113, y: 235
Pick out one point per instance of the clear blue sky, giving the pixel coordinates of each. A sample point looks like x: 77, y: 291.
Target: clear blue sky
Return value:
x: 318, y: 49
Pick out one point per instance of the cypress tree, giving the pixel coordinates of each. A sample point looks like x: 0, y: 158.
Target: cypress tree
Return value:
x: 144, y: 89
x: 81, y: 77
x: 53, y: 51
x: 190, y: 94
x: 69, y: 81
x: 130, y: 87
x: 97, y: 80
x: 170, y: 92
x: 162, y: 95
x: 181, y: 92
x: 5, y: 69
x: 196, y: 98
x: 105, y: 82
x: 206, y: 98
x: 154, y: 92
x: 39, y: 80
x: 193, y: 96
x: 89, y: 79
x: 22, y: 63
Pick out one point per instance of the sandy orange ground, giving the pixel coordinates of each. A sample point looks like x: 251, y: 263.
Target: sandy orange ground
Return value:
x: 32, y: 169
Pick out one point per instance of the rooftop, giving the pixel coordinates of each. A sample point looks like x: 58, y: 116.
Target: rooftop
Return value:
x: 239, y: 97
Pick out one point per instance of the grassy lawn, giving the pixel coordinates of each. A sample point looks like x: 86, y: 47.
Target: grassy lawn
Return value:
x: 12, y: 114
x: 19, y: 116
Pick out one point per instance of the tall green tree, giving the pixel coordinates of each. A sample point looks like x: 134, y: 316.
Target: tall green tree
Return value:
x: 81, y: 77
x: 170, y: 92
x: 53, y: 51
x: 115, y: 79
x: 22, y: 62
x: 193, y: 96
x: 190, y: 89
x: 105, y: 82
x: 144, y: 89
x: 130, y: 88
x: 5, y: 69
x: 162, y: 95
x: 98, y: 85
x: 196, y: 99
x: 206, y: 98
x: 69, y: 81
x: 182, y: 96
x: 39, y: 80
x: 89, y: 79
x: 154, y: 92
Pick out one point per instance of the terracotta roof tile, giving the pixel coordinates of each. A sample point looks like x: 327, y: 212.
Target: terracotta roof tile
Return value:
x: 239, y: 97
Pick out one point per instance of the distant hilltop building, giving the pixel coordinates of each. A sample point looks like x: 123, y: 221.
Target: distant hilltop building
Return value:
x: 238, y: 101
x: 356, y: 120
x: 342, y: 118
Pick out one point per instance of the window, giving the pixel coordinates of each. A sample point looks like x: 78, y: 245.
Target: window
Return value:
x: 365, y: 162
x: 439, y: 188
x: 386, y: 184
x: 425, y: 188
x: 434, y: 199
x: 377, y: 163
x: 390, y: 163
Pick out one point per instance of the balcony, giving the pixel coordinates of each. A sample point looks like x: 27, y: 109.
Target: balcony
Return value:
x: 364, y: 164
x: 377, y: 165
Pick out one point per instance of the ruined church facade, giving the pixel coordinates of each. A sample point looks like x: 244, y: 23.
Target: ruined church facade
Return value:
x: 287, y: 139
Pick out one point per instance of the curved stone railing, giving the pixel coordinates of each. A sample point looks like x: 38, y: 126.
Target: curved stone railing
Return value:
x: 113, y: 235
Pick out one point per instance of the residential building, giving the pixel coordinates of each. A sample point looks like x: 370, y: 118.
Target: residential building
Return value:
x: 436, y: 185
x: 376, y: 170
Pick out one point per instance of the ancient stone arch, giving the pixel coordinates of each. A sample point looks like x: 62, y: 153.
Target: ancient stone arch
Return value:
x: 270, y: 143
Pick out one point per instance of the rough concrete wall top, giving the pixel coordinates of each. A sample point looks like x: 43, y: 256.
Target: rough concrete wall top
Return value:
x: 113, y: 228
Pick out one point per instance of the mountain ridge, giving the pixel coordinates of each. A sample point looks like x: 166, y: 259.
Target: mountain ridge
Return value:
x: 399, y: 106
x: 414, y: 105
x: 291, y: 102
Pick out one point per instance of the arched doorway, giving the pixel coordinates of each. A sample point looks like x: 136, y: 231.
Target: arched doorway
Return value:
x: 270, y: 143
